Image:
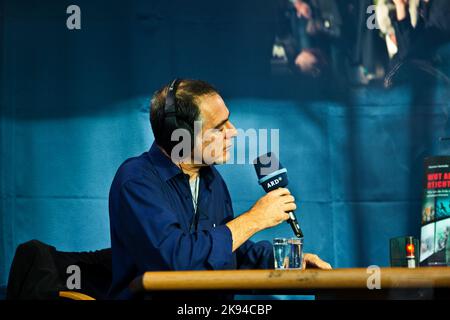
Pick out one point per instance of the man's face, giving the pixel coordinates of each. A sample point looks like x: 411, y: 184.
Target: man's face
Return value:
x: 217, y: 130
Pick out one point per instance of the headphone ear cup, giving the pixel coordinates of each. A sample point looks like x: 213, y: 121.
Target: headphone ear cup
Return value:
x: 173, y: 123
x: 170, y: 124
x: 185, y: 125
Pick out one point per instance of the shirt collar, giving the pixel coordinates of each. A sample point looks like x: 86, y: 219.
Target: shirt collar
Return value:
x: 167, y: 169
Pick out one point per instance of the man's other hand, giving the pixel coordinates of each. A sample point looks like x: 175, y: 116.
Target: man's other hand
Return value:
x: 313, y: 261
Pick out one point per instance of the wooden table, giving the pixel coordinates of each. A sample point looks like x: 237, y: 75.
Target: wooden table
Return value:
x: 394, y: 283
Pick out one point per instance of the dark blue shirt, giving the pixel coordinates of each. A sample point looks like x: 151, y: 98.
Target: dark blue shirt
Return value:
x: 153, y: 225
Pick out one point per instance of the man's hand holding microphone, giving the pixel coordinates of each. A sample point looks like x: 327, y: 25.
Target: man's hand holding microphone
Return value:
x: 277, y: 206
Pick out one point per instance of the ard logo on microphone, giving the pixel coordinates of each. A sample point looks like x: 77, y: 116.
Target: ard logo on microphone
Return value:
x: 274, y: 182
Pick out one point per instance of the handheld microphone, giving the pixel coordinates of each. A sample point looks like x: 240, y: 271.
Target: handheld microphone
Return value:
x: 272, y: 175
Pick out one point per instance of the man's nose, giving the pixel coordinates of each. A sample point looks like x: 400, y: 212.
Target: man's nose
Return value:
x: 231, y: 130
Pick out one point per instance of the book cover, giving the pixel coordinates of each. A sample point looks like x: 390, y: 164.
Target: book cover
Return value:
x: 435, y: 228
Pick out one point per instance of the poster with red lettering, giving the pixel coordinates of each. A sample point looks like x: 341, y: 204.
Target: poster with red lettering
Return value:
x: 435, y: 229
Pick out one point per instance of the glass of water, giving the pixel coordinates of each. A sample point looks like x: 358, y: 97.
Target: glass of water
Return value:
x: 281, y: 253
x: 296, y: 253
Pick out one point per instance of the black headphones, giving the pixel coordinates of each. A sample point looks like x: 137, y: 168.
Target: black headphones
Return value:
x: 172, y: 120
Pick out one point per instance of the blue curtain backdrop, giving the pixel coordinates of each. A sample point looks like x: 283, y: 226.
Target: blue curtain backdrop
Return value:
x: 74, y: 106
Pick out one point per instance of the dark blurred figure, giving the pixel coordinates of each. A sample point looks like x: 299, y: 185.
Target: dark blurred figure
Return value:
x: 319, y: 27
x: 329, y: 39
x: 432, y: 29
x: 309, y: 31
x: 368, y: 57
x: 417, y: 45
